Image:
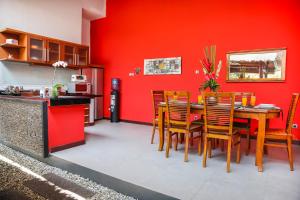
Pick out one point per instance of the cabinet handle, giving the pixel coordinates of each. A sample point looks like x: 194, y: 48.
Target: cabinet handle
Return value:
x: 74, y: 59
x: 48, y: 59
x: 44, y: 54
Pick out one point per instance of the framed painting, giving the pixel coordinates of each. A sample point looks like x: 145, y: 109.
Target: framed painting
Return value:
x: 159, y: 66
x: 256, y: 66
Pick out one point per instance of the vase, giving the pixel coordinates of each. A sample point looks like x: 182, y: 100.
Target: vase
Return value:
x: 54, y: 93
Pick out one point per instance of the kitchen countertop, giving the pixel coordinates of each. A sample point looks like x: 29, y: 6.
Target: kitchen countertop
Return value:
x: 84, y: 95
x: 61, y: 100
x: 69, y: 100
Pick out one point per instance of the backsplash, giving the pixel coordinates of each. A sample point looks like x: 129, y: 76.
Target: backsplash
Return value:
x: 31, y: 76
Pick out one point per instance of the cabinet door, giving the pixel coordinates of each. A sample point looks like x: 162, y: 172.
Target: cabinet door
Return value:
x: 69, y: 54
x: 82, y: 56
x: 37, y: 49
x: 53, y: 51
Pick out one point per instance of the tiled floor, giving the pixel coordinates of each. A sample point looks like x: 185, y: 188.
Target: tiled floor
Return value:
x: 123, y: 150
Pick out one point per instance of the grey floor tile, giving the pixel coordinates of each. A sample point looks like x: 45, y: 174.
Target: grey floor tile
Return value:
x: 123, y: 150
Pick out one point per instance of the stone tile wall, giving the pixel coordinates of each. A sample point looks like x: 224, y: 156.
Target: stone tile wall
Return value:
x: 23, y: 125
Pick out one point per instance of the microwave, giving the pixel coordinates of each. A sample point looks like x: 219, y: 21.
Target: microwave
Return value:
x: 77, y: 87
x: 78, y: 78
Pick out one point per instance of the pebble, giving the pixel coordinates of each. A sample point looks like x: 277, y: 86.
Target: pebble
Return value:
x: 13, y: 178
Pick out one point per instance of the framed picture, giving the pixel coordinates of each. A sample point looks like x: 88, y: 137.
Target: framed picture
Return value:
x: 256, y: 66
x: 160, y: 66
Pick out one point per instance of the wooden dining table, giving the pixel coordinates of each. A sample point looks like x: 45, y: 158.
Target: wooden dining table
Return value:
x: 262, y: 115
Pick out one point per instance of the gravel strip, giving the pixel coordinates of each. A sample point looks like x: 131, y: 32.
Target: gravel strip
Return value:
x: 13, y: 178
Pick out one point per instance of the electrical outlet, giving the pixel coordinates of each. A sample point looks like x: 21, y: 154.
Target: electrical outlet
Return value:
x: 295, y: 126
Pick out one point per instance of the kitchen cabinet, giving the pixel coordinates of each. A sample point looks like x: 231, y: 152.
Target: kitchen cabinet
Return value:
x: 54, y: 52
x: 37, y: 49
x: 82, y: 56
x: 69, y: 54
x: 76, y: 55
x: 13, y: 51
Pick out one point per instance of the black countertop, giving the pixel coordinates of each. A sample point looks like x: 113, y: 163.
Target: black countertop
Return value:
x: 69, y: 100
x: 60, y: 101
x: 84, y: 95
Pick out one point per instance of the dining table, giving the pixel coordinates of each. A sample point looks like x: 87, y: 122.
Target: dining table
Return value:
x: 262, y: 115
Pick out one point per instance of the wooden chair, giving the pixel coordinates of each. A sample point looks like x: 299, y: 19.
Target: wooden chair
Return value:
x: 218, y: 123
x: 178, y: 119
x: 242, y: 124
x: 284, y: 134
x: 157, y: 97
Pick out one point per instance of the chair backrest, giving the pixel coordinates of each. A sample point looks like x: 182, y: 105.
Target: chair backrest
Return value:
x: 240, y: 95
x: 291, y: 113
x: 178, y: 108
x: 218, y: 112
x: 157, y: 97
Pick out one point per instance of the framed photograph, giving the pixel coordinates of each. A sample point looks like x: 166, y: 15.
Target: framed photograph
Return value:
x: 160, y: 66
x: 256, y: 66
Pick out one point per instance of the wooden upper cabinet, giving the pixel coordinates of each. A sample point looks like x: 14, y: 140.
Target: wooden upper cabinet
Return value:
x: 76, y: 55
x: 69, y: 54
x: 13, y: 51
x: 54, y: 52
x: 82, y: 56
x: 36, y: 49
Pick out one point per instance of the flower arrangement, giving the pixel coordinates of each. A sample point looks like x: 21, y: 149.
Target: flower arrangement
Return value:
x: 57, y: 85
x: 211, y: 73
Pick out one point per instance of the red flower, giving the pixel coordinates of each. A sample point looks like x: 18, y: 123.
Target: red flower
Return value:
x: 212, y: 76
x: 207, y: 77
x: 207, y: 64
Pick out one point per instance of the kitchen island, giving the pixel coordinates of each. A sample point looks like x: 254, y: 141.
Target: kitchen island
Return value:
x: 37, y: 126
x: 66, y: 122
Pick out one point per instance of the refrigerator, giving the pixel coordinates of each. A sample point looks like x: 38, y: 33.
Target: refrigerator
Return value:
x: 95, y: 75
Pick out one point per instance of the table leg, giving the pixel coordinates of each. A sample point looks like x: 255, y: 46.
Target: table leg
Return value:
x: 161, y: 128
x: 260, y: 141
x: 267, y: 127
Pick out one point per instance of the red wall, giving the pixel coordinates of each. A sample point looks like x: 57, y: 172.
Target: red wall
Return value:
x: 137, y: 29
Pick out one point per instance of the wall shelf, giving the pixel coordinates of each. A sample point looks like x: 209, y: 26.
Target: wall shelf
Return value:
x: 11, y: 45
x: 12, y: 60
